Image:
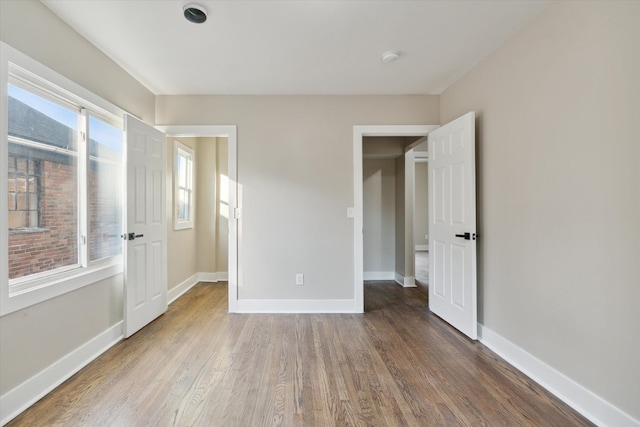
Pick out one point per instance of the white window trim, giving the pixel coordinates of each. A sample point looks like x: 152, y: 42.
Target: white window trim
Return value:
x: 57, y: 283
x: 181, y: 149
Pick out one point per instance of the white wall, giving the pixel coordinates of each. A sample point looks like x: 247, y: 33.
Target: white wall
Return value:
x: 559, y: 197
x: 378, y: 194
x: 34, y: 338
x: 295, y: 168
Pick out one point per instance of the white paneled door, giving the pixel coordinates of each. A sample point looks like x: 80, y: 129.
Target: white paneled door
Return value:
x: 146, y: 231
x: 452, y: 224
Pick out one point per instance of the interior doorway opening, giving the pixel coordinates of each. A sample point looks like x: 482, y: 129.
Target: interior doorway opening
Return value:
x: 225, y: 201
x: 390, y: 143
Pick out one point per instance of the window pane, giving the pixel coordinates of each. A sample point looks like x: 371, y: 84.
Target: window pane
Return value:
x: 105, y: 190
x: 182, y: 171
x: 43, y: 224
x: 182, y: 206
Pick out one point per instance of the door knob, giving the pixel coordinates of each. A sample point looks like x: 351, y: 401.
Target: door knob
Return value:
x: 468, y: 236
x: 132, y: 236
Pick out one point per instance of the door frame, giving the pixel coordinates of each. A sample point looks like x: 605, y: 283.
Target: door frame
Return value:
x: 230, y: 132
x: 359, y: 132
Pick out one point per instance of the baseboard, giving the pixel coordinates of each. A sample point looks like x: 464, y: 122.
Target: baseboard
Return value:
x: 223, y: 276
x: 405, y: 281
x: 378, y: 275
x: 591, y: 406
x: 179, y: 290
x: 29, y: 392
x: 422, y: 247
x: 296, y: 306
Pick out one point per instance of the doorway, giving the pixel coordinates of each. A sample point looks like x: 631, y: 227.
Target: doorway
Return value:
x: 231, y: 205
x: 359, y: 133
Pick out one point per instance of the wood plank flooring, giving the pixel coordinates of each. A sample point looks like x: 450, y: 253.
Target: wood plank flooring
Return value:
x: 396, y: 365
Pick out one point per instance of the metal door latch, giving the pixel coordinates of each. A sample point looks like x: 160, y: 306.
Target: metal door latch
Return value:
x: 468, y: 236
x: 131, y: 236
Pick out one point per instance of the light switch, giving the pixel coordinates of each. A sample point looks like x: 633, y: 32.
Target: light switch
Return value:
x: 350, y: 213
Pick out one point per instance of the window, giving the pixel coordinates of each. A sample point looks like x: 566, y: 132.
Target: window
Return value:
x: 105, y: 189
x: 183, y: 176
x: 42, y: 183
x: 63, y: 151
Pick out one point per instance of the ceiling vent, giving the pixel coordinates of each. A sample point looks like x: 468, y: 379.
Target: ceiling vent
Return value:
x: 195, y: 13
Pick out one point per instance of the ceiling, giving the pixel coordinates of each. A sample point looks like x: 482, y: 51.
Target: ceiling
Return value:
x: 297, y: 46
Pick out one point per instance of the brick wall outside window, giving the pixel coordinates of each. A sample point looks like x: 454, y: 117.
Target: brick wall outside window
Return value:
x: 54, y: 244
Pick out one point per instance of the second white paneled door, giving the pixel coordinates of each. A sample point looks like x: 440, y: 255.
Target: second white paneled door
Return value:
x: 452, y: 224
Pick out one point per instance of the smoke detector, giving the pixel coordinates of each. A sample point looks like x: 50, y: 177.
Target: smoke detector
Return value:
x: 391, y: 56
x: 195, y: 13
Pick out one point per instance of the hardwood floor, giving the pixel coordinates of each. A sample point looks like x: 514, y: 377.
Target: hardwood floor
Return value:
x: 395, y: 365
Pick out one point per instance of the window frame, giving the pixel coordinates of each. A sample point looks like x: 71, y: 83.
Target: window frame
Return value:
x: 180, y: 149
x: 23, y: 292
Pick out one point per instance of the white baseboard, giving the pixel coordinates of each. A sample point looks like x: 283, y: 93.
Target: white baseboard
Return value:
x: 223, y: 276
x: 179, y: 290
x: 296, y: 306
x: 29, y: 392
x: 590, y: 405
x: 378, y: 275
x: 405, y: 281
x: 422, y: 247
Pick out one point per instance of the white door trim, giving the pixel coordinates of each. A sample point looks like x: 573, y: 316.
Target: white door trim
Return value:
x: 229, y: 131
x: 358, y: 251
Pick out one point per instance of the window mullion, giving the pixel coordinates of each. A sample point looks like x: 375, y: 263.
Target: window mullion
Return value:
x: 83, y: 187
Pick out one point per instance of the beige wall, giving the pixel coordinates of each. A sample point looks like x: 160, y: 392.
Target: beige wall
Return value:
x: 559, y: 196
x: 378, y: 199
x: 409, y: 211
x: 206, y: 181
x: 33, y: 338
x: 222, y: 221
x: 295, y: 172
x: 400, y: 249
x: 383, y: 146
x: 181, y: 244
x: 421, y: 218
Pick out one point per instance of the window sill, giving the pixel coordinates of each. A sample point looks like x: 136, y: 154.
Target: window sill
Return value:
x: 28, y: 231
x: 44, y: 289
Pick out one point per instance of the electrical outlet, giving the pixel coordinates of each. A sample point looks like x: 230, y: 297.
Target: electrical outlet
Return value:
x: 299, y: 279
